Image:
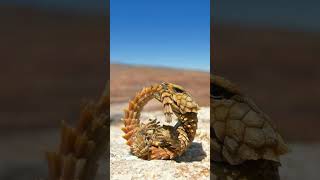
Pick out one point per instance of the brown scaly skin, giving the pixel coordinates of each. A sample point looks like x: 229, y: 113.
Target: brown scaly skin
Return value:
x: 152, y: 141
x: 245, y: 142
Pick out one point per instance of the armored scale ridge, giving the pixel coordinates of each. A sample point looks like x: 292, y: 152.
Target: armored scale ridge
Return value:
x: 246, y: 143
x: 151, y: 140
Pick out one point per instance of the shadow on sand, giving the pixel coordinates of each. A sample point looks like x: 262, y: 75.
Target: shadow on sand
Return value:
x: 194, y: 153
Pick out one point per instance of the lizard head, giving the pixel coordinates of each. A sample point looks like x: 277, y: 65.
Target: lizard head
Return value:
x: 222, y: 88
x: 176, y: 99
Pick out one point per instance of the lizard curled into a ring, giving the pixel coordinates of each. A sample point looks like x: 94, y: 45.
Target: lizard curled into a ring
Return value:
x: 153, y: 141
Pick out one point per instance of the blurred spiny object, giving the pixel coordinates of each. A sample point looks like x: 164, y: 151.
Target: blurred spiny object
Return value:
x: 245, y: 143
x: 81, y: 147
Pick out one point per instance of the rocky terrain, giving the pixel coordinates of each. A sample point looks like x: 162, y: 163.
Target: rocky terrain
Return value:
x: 194, y: 164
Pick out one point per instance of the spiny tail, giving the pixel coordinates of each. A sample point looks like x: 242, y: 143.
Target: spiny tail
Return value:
x: 132, y: 113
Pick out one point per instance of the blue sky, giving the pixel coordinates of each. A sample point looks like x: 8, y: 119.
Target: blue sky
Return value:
x: 161, y: 33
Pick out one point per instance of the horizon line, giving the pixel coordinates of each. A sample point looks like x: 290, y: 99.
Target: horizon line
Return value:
x: 159, y: 66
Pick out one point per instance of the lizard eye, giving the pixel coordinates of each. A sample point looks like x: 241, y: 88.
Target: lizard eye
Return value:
x: 177, y: 90
x: 219, y: 92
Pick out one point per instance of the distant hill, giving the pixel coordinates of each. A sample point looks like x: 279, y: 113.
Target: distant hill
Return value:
x: 127, y: 80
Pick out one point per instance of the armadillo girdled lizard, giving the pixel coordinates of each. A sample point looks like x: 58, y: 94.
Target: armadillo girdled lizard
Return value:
x: 152, y: 141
